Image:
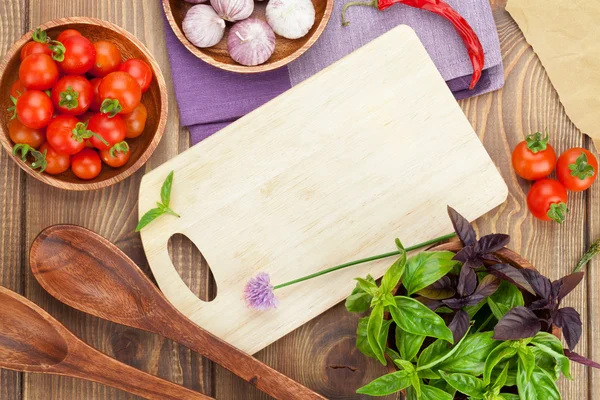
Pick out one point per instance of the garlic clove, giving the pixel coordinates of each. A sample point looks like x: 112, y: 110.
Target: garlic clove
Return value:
x: 251, y: 42
x: 202, y: 26
x: 291, y: 19
x: 233, y: 10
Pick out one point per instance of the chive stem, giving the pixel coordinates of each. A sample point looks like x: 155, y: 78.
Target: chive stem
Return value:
x: 364, y: 260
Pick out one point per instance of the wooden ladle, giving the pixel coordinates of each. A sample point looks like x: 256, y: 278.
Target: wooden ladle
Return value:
x: 32, y: 341
x: 89, y: 273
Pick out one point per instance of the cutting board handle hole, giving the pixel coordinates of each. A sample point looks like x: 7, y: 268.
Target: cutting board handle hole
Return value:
x: 192, y: 267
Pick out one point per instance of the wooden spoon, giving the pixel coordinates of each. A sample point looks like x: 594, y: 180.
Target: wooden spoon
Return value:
x: 89, y: 273
x: 32, y: 341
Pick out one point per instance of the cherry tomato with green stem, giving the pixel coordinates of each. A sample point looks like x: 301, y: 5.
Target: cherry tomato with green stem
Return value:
x: 140, y: 70
x: 534, y: 158
x: 120, y: 93
x: 66, y: 33
x: 547, y: 200
x: 108, y: 58
x: 577, y: 169
x: 86, y: 164
x: 85, y: 118
x: 116, y: 156
x: 72, y: 95
x: 109, y: 130
x: 19, y: 133
x: 38, y: 72
x: 17, y: 89
x: 79, y: 56
x: 136, y: 121
x: 66, y: 134
x: 34, y: 109
x: 56, y: 163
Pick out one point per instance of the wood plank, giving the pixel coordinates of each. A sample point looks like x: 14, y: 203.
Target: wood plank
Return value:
x: 12, y: 26
x: 111, y: 212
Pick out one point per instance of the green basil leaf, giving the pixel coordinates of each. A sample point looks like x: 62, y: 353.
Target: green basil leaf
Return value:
x: 546, y: 362
x: 498, y: 309
x: 392, y: 354
x: 388, y: 300
x: 425, y: 268
x: 507, y: 296
x: 374, y: 333
x: 367, y: 285
x: 150, y: 216
x: 413, y: 316
x: 437, y: 352
x: 500, y: 380
x: 502, y: 352
x: 405, y: 365
x: 433, y: 393
x: 526, y: 360
x: 465, y: 383
x: 470, y: 357
x: 540, y: 386
x: 508, y: 396
x: 358, y: 302
x: 511, y: 374
x: 563, y: 363
x: 387, y: 384
x: 415, y: 382
x: 411, y: 394
x: 165, y: 191
x: 362, y: 343
x: 549, y: 340
x: 408, y: 343
x: 394, y: 273
x: 428, y: 374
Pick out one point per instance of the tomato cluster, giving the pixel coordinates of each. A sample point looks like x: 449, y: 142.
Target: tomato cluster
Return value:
x: 76, y: 103
x: 534, y: 159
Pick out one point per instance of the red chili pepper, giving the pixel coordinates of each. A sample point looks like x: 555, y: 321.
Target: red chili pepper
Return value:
x: 443, y: 9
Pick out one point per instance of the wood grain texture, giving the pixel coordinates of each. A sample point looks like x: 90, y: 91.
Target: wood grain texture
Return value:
x: 286, y: 50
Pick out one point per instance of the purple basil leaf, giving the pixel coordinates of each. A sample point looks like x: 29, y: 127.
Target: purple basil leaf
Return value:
x: 569, y: 320
x: 540, y: 305
x: 459, y: 325
x: 430, y: 303
x: 540, y: 284
x: 555, y: 289
x: 494, y: 242
x: 488, y: 286
x: 467, y: 281
x: 518, y: 323
x: 581, y: 359
x: 490, y: 257
x: 568, y: 283
x: 464, y: 254
x: 463, y: 228
x: 512, y: 275
x: 464, y: 301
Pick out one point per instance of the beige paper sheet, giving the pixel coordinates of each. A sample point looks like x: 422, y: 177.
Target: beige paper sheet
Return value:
x: 565, y: 34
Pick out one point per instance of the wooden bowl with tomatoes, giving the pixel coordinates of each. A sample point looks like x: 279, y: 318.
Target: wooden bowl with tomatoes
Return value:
x: 74, y: 134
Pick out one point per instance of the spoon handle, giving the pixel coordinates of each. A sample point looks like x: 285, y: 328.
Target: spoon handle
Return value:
x: 88, y: 363
x: 257, y: 373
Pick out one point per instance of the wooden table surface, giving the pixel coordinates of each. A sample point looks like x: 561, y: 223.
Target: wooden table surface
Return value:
x: 321, y: 354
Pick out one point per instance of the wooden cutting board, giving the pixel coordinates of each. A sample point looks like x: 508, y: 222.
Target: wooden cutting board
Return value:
x: 372, y: 148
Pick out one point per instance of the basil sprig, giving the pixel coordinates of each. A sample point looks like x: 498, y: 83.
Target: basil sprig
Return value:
x: 163, y: 205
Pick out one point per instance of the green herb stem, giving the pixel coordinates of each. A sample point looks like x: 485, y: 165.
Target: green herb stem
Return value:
x: 364, y: 260
x: 587, y: 257
x: 169, y: 211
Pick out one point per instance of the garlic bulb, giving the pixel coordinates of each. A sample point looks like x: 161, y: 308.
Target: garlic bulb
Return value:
x: 291, y: 19
x: 251, y: 41
x: 233, y: 10
x: 202, y: 26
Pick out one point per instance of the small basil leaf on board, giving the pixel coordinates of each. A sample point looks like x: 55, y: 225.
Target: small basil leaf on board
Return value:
x: 394, y: 273
x: 540, y: 386
x: 459, y: 325
x: 562, y: 362
x: 569, y: 320
x: 470, y: 357
x: 433, y: 393
x: 465, y: 383
x: 414, y: 317
x: 502, y: 352
x: 428, y: 374
x: 426, y: 268
x: 581, y: 359
x: 408, y: 343
x: 526, y: 360
x: 518, y: 323
x: 387, y: 384
x: 165, y: 190
x: 150, y: 216
x: 374, y: 330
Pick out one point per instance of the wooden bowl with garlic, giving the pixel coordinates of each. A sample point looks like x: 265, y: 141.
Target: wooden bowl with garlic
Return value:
x: 248, y: 36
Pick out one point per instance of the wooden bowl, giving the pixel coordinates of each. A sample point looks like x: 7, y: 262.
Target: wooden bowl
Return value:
x: 155, y: 100
x: 286, y: 50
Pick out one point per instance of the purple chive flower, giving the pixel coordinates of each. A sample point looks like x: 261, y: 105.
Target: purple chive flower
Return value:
x: 258, y: 293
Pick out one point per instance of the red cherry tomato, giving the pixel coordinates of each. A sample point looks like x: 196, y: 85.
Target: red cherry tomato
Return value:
x: 577, y: 169
x: 35, y: 48
x: 96, y: 102
x: 108, y: 58
x: 547, y: 200
x: 35, y: 109
x: 80, y: 55
x: 17, y: 89
x: 38, y: 72
x: 86, y: 164
x: 66, y: 33
x: 120, y: 93
x: 534, y: 158
x: 116, y: 156
x: 140, y: 70
x: 57, y: 163
x: 112, y: 130
x: 19, y: 133
x: 72, y: 95
x: 136, y: 121
x: 64, y: 133
x: 85, y: 118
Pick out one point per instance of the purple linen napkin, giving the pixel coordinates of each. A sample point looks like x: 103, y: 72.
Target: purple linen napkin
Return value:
x: 209, y: 98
